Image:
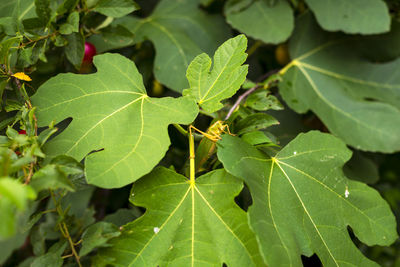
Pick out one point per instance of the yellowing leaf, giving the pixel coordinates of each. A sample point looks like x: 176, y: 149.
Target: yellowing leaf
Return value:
x: 22, y: 76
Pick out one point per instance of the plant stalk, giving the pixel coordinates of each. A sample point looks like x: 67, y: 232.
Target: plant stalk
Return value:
x: 64, y: 229
x: 191, y: 157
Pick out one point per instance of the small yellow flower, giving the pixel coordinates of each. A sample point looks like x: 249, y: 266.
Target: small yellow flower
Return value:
x: 22, y: 76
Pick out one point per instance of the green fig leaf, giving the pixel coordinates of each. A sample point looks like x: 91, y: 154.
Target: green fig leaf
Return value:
x: 303, y: 204
x: 185, y: 224
x: 113, y: 116
x: 345, y: 90
x: 209, y: 87
x: 179, y: 31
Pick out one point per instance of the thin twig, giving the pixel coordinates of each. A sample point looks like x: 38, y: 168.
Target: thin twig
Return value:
x: 67, y: 256
x: 248, y: 92
x: 29, y: 177
x: 64, y: 229
x: 253, y: 48
x: 72, y: 245
x: 180, y: 129
x: 37, y: 40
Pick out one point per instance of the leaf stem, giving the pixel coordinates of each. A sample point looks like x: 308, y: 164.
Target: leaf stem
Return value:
x: 191, y: 156
x: 37, y: 40
x: 29, y: 177
x: 180, y: 129
x: 248, y: 92
x: 253, y: 48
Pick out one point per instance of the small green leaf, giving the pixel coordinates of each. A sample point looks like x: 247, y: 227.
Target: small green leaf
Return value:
x: 257, y: 121
x: 256, y: 138
x: 209, y: 87
x: 43, y: 10
x: 37, y: 239
x: 66, y: 6
x: 269, y: 23
x: 17, y: 193
x: 75, y: 49
x: 16, y: 241
x: 97, y: 235
x: 185, y: 225
x: 52, y: 257
x: 34, y: 26
x: 355, y: 16
x: 112, y: 115
x: 72, y: 24
x: 303, y: 203
x: 116, y: 8
x: 112, y: 37
x: 262, y: 100
x: 5, y: 46
x: 179, y: 30
x: 51, y: 177
x: 14, y: 197
x: 60, y: 41
x: 8, y: 26
x: 68, y: 165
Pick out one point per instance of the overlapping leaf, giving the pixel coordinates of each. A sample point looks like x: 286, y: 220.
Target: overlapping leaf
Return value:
x: 185, y: 225
x: 180, y: 31
x: 110, y: 112
x: 21, y: 9
x: 348, y: 93
x: 260, y: 20
x: 225, y: 78
x: 14, y: 196
x: 303, y: 203
x: 355, y: 16
x: 115, y: 8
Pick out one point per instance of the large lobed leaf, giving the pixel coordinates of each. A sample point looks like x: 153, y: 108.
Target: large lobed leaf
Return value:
x: 111, y: 112
x: 185, y: 225
x: 303, y: 204
x: 349, y: 94
x: 225, y: 78
x: 179, y: 31
x: 269, y: 23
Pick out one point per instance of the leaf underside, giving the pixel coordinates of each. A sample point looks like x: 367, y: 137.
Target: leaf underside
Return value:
x: 111, y: 114
x: 303, y: 204
x: 185, y: 225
